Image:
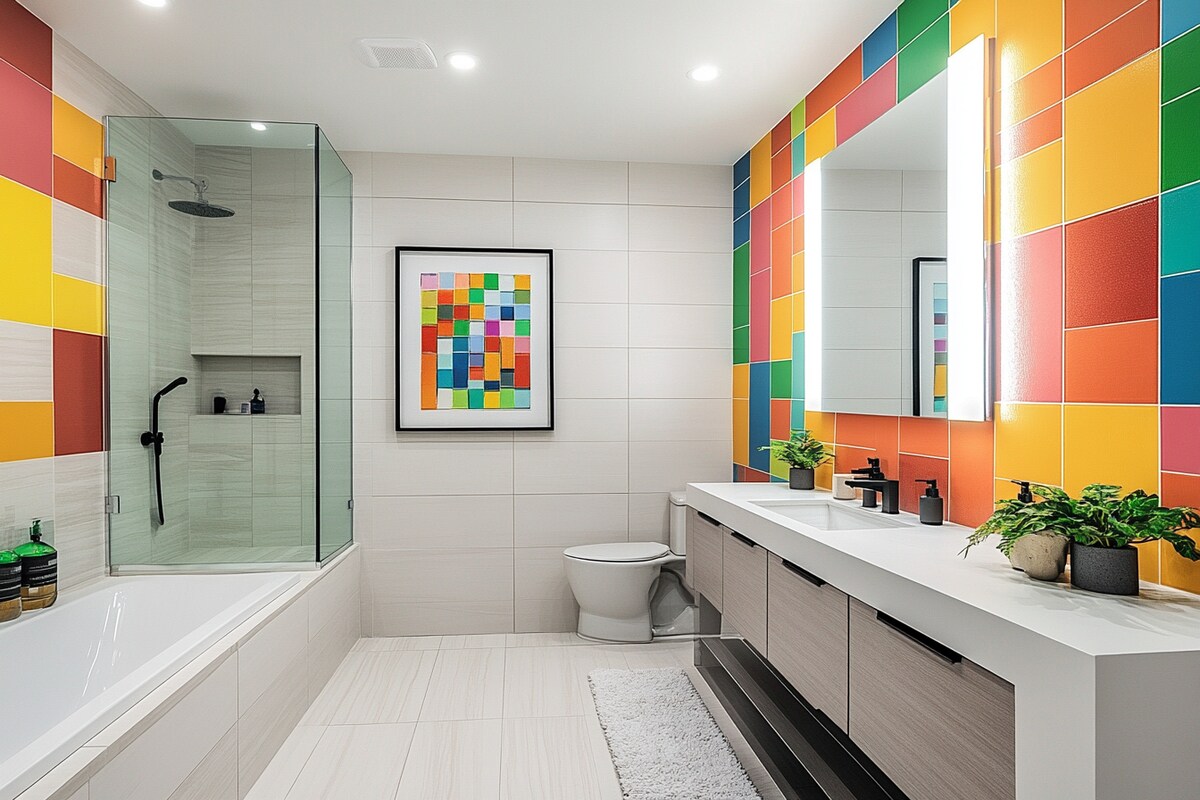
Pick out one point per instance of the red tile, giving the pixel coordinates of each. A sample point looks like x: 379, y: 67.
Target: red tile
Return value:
x: 1082, y: 18
x: 781, y: 261
x: 754, y: 476
x: 1112, y: 266
x: 1181, y: 490
x: 868, y: 102
x: 1121, y: 43
x: 1181, y: 439
x: 836, y: 85
x: 781, y: 207
x: 760, y: 236
x: 881, y: 434
x: 1034, y: 92
x: 781, y: 135
x: 760, y: 316
x: 781, y: 419
x: 972, y: 462
x: 78, y: 187
x: 781, y: 168
x: 78, y: 393
x: 1038, y: 131
x: 26, y: 42
x: 797, y: 196
x: 914, y: 468
x: 1030, y: 318
x: 926, y: 436
x: 26, y: 135
x: 1113, y: 363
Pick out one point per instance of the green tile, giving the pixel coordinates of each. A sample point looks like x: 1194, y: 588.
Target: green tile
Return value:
x: 1180, y: 233
x: 521, y: 327
x: 781, y: 380
x: 741, y: 345
x: 508, y: 398
x: 491, y: 280
x: 460, y: 398
x: 741, y: 286
x: 914, y: 16
x: 475, y: 295
x: 475, y: 398
x: 779, y: 469
x: 462, y: 327
x: 520, y: 296
x: 798, y: 119
x: 924, y: 58
x: 797, y: 366
x: 1180, y: 156
x: 798, y: 155
x: 1181, y: 66
x: 429, y: 316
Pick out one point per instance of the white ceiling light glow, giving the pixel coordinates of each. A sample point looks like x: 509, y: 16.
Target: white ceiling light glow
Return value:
x: 258, y: 126
x: 463, y: 61
x: 154, y: 3
x: 704, y: 73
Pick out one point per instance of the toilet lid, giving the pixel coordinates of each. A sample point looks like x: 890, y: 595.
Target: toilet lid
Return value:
x: 618, y: 551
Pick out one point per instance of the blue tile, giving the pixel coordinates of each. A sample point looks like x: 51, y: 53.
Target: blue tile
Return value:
x: 741, y: 199
x: 1180, y: 233
x: 741, y: 231
x: 741, y: 170
x: 760, y: 415
x: 1179, y: 328
x: 797, y: 367
x: 879, y: 47
x: 798, y: 155
x: 1179, y: 16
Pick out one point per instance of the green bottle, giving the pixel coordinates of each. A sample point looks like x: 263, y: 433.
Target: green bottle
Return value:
x: 39, y: 570
x: 10, y: 585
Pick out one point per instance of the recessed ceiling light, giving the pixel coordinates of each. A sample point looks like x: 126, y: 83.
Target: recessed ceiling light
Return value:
x: 258, y: 126
x: 704, y: 73
x: 154, y: 3
x: 461, y: 60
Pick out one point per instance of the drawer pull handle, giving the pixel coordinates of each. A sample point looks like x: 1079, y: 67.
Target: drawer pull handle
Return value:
x: 932, y: 645
x: 803, y: 573
x: 707, y: 519
x: 741, y: 537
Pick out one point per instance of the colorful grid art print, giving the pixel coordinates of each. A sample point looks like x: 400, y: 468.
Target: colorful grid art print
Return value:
x: 474, y: 345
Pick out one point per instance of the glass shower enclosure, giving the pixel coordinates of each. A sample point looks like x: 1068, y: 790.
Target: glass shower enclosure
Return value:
x: 229, y: 360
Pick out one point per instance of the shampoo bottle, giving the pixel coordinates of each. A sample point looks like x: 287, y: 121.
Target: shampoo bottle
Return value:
x: 932, y: 507
x: 258, y: 403
x: 39, y: 570
x: 10, y: 585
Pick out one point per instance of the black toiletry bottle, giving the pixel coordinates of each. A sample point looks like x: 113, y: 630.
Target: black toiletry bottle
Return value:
x: 39, y: 570
x: 932, y: 505
x: 258, y: 403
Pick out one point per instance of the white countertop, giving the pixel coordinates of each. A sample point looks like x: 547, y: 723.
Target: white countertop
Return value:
x: 979, y: 605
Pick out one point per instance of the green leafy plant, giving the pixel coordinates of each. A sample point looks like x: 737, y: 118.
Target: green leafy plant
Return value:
x: 1099, y: 517
x: 801, y: 450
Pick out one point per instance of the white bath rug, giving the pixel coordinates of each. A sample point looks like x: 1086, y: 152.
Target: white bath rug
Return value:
x: 664, y: 743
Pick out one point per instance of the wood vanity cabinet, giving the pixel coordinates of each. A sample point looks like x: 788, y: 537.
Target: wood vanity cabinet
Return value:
x: 808, y: 637
x: 940, y: 726
x: 744, y: 595
x: 705, y: 557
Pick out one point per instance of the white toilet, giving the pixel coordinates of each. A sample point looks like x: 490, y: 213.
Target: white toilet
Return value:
x: 633, y: 591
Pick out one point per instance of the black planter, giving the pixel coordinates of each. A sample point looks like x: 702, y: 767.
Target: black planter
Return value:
x: 800, y: 478
x: 1109, y: 570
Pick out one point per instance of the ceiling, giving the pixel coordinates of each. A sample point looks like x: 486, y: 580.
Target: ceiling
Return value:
x: 912, y: 135
x: 556, y: 78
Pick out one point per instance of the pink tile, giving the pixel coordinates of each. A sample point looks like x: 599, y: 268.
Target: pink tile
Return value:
x: 26, y: 131
x: 1181, y: 439
x: 868, y: 102
x: 760, y: 316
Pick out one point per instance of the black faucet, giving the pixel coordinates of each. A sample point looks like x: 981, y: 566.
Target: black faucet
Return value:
x: 872, y: 470
x: 876, y: 481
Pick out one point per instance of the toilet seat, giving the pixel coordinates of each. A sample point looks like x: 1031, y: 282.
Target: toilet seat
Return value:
x: 618, y: 552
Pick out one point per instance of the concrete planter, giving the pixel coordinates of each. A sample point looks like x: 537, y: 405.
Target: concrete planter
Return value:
x: 800, y: 478
x: 1109, y: 570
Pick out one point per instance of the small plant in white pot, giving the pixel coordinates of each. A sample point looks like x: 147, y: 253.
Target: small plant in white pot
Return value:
x: 803, y: 454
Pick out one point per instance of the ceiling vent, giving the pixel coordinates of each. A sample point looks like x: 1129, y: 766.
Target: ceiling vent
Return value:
x: 397, y: 54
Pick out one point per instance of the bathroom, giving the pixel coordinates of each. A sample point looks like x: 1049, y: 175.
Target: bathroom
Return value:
x: 401, y: 396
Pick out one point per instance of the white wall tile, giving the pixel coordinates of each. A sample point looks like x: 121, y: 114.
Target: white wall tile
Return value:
x: 79, y: 519
x: 680, y: 420
x: 422, y: 592
x: 680, y: 185
x: 375, y: 324
x: 576, y: 420
x: 591, y: 276
x: 649, y: 517
x: 570, y: 226
x: 26, y: 363
x: 398, y: 222
x: 550, y: 180
x: 924, y: 191
x: 680, y: 229
x: 865, y: 282
x: 851, y: 328
x: 544, y: 601
x: 457, y: 521
x: 589, y: 372
x: 591, y: 325
x: 78, y: 243
x: 861, y: 189
x: 566, y: 520
x: 923, y: 233
x: 263, y: 658
x: 682, y: 278
x: 873, y: 234
x: 26, y: 493
x: 442, y: 177
x: 419, y: 468
x: 570, y: 467
x: 360, y: 165
x: 670, y: 466
x: 676, y: 326
x: 660, y: 373
x: 373, y: 275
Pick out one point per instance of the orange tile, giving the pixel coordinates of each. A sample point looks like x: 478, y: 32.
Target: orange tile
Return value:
x: 1030, y: 33
x: 78, y: 138
x: 1082, y: 18
x: 760, y: 171
x: 1180, y: 490
x: 781, y: 419
x: 781, y: 168
x: 969, y: 19
x: 741, y: 380
x: 881, y: 434
x: 1113, y: 363
x: 1029, y: 442
x: 26, y: 431
x: 844, y: 78
x: 741, y: 431
x: 781, y: 329
x: 797, y: 313
x: 1089, y: 434
x: 1031, y: 194
x: 798, y: 235
x: 971, y: 486
x: 820, y: 138
x: 1038, y: 131
x: 781, y: 207
x: 1111, y: 140
x: 822, y: 425
x: 78, y: 187
x: 926, y: 436
x: 1122, y: 42
x: 1031, y: 94
x: 781, y: 260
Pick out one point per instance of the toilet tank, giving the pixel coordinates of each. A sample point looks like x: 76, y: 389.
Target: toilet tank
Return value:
x: 679, y: 523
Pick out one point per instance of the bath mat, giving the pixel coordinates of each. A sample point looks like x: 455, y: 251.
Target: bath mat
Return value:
x: 664, y: 743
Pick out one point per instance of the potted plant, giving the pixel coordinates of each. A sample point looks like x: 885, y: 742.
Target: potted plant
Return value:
x: 1027, y: 532
x: 803, y: 454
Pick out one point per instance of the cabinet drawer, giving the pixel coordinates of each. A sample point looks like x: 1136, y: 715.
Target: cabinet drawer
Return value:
x: 942, y: 730
x: 807, y: 636
x: 705, y: 557
x: 745, y: 589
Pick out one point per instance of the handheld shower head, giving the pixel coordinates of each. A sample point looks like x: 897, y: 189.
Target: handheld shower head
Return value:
x: 170, y: 387
x: 200, y: 207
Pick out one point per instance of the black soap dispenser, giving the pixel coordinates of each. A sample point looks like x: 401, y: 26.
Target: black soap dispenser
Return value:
x: 1024, y: 494
x: 932, y: 505
x: 258, y: 403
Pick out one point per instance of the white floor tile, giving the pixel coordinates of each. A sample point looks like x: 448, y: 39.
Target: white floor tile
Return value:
x: 466, y: 684
x: 453, y: 761
x: 550, y: 757
x: 395, y: 643
x: 373, y: 688
x: 355, y: 761
x: 473, y: 641
x: 276, y: 781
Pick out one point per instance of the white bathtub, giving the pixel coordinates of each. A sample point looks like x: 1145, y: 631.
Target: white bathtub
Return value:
x: 69, y: 671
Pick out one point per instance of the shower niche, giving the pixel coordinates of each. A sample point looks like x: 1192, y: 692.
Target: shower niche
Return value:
x: 229, y: 264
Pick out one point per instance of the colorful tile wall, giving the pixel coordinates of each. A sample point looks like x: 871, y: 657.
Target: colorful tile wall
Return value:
x: 1096, y: 266
x: 51, y: 324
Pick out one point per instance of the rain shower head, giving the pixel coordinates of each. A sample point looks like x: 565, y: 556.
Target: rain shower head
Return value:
x: 200, y: 207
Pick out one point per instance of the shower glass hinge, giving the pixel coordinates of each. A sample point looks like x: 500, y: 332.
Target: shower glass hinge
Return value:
x: 110, y: 169
x: 350, y: 505
x: 112, y: 504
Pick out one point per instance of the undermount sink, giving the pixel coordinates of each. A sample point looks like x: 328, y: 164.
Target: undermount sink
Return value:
x: 828, y: 517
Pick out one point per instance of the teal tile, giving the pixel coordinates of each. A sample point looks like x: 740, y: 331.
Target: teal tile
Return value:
x: 914, y: 16
x: 798, y: 155
x: 741, y: 345
x: 1180, y: 156
x: 924, y: 58
x: 781, y: 380
x: 1181, y: 66
x: 798, y: 366
x: 797, y: 414
x: 1180, y: 231
x: 741, y: 286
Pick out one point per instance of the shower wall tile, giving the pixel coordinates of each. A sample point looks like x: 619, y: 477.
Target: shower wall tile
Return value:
x: 78, y: 138
x: 25, y: 148
x: 26, y: 363
x: 78, y: 243
x: 78, y: 393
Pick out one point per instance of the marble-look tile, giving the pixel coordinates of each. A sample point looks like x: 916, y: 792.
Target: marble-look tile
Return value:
x: 86, y: 85
x: 28, y: 491
x: 546, y: 640
x: 552, y: 681
x: 453, y: 761
x: 79, y: 487
x: 473, y: 641
x: 394, y: 643
x: 465, y: 684
x: 266, y: 724
x: 355, y: 761
x: 213, y: 779
x: 550, y: 757
x: 26, y: 363
x: 374, y: 688
x: 277, y: 779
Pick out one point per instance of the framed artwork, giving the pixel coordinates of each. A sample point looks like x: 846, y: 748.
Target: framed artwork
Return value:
x: 474, y: 339
x: 930, y: 330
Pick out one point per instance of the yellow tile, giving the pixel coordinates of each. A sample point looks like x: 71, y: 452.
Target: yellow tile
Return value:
x: 1029, y: 442
x: 78, y: 138
x: 798, y: 312
x: 741, y: 431
x: 1111, y: 139
x: 824, y: 476
x: 1031, y: 194
x: 781, y: 329
x: 821, y: 137
x: 78, y: 305
x: 798, y: 263
x: 1089, y: 436
x: 24, y: 254
x: 491, y: 399
x: 741, y: 380
x: 1029, y: 33
x: 821, y: 424
x: 1150, y: 560
x: 26, y: 431
x: 971, y: 18
x: 760, y: 170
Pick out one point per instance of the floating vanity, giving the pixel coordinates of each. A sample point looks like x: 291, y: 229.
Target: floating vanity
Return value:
x: 959, y: 678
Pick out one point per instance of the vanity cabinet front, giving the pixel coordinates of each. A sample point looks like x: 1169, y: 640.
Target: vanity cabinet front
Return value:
x: 940, y: 726
x: 705, y: 556
x: 808, y: 637
x: 745, y: 589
